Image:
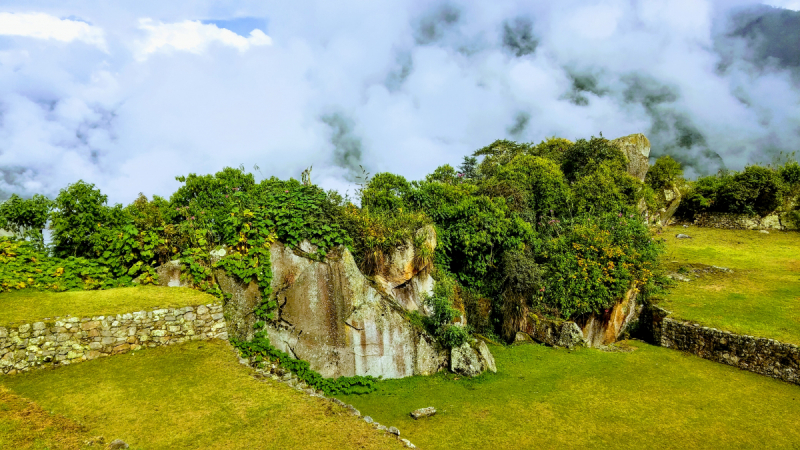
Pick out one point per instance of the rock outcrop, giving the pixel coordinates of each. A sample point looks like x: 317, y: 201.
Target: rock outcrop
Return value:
x: 603, y: 329
x: 405, y: 276
x: 636, y: 148
x: 343, y: 323
x: 595, y: 330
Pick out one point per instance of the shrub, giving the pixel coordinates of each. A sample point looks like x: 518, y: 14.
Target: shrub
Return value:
x: 585, y: 157
x: 757, y: 190
x: 590, y: 263
x: 385, y: 192
x: 498, y: 154
x: 531, y: 186
x: 552, y: 148
x: 607, y: 189
x: 664, y: 173
x: 440, y: 304
x: 23, y: 266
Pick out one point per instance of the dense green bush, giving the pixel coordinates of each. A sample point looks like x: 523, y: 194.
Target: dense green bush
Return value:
x: 590, y: 263
x: 441, y: 320
x: 531, y: 185
x: 607, y: 189
x: 755, y: 191
x: 664, y: 173
x: 585, y: 157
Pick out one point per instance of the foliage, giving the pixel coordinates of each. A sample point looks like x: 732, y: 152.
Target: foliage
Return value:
x: 26, y: 218
x: 607, y: 189
x: 385, y: 192
x: 584, y: 157
x: 755, y: 191
x: 377, y: 234
x: 664, y: 173
x: 444, y: 174
x: 443, y: 314
x: 592, y: 262
x: 469, y: 168
x: 79, y: 215
x: 262, y: 351
x: 23, y: 266
x: 552, y: 148
x: 531, y: 185
x: 499, y: 153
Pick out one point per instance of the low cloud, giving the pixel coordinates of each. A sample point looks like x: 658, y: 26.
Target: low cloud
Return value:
x: 45, y: 26
x: 192, y: 36
x: 129, y: 97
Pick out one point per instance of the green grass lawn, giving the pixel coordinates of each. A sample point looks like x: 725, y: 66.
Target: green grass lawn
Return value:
x: 762, y: 295
x: 190, y: 396
x: 542, y: 397
x: 29, y: 305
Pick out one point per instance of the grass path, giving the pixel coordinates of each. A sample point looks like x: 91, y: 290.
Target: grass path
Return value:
x: 192, y: 396
x: 762, y: 295
x: 553, y: 398
x: 29, y: 305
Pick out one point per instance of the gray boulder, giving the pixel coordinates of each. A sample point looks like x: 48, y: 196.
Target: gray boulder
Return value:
x: 471, y: 359
x: 423, y: 412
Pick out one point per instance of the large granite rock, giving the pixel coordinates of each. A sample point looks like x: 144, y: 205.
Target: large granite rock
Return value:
x: 636, y: 148
x: 340, y: 321
x: 606, y: 328
x: 332, y: 316
x: 405, y: 276
x: 595, y: 330
x: 558, y: 333
x: 471, y: 359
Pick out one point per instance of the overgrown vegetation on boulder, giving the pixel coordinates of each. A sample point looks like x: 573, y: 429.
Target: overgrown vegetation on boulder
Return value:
x: 553, y: 228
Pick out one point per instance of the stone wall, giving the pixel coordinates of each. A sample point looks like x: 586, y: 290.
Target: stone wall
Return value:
x: 69, y: 340
x: 744, y: 222
x: 763, y: 356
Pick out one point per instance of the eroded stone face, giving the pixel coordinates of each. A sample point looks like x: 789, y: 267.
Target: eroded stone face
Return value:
x: 332, y: 316
x: 604, y: 329
x: 636, y: 148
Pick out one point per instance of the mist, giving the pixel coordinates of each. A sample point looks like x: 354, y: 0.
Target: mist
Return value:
x: 130, y: 97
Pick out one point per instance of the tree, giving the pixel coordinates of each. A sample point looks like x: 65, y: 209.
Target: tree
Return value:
x: 79, y: 214
x: 26, y: 218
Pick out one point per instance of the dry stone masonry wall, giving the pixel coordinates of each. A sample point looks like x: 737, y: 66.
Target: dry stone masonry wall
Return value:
x: 744, y: 222
x: 759, y: 355
x: 64, y: 341
x: 763, y: 356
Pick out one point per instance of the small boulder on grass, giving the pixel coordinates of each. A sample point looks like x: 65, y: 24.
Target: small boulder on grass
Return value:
x: 117, y: 444
x: 683, y: 236
x: 423, y: 412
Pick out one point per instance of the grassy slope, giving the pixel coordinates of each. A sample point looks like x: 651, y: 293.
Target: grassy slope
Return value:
x: 28, y: 305
x: 25, y: 425
x: 189, y: 396
x: 761, y: 297
x: 553, y: 398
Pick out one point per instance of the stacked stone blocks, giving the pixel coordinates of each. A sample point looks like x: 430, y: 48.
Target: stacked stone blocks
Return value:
x: 763, y: 356
x: 69, y: 340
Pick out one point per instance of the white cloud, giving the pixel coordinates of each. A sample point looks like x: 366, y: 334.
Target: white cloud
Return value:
x: 45, y: 26
x: 785, y: 4
x: 192, y: 36
x: 410, y: 85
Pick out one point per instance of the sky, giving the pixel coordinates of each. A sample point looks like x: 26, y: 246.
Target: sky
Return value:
x: 129, y: 95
